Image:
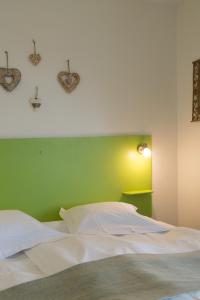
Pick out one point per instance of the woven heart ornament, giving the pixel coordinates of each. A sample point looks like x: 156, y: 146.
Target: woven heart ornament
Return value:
x: 35, y: 57
x: 68, y: 80
x: 9, y: 78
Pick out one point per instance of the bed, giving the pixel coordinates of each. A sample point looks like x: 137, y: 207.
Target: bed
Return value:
x: 103, y: 266
x: 131, y: 258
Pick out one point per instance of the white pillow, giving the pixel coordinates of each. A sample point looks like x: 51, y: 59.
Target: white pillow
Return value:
x: 108, y: 217
x: 19, y: 231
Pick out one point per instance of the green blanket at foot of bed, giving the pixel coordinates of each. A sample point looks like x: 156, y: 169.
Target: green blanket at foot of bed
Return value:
x: 124, y: 277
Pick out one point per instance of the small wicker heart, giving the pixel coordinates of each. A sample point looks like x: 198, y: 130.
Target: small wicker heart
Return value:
x: 69, y: 81
x: 35, y: 58
x: 9, y: 78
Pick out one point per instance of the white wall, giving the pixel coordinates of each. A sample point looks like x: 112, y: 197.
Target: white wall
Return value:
x: 125, y: 53
x: 188, y: 133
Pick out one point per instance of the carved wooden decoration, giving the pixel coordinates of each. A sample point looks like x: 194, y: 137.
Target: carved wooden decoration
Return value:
x: 68, y: 80
x: 9, y: 78
x: 196, y: 91
x: 35, y: 57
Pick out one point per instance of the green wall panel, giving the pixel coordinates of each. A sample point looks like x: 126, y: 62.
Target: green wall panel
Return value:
x: 143, y: 202
x: 39, y: 175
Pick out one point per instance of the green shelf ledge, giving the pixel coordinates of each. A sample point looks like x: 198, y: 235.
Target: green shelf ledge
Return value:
x: 130, y: 193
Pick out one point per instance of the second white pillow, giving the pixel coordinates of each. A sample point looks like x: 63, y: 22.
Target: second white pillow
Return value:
x: 108, y: 217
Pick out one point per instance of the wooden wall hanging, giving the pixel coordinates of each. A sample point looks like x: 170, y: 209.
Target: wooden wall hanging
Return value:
x: 196, y: 91
x: 9, y: 78
x: 35, y: 57
x: 68, y: 80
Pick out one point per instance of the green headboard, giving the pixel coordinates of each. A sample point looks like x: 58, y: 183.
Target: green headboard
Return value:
x: 39, y: 175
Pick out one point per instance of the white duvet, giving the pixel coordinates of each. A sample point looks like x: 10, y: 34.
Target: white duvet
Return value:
x: 57, y: 256
x: 49, y: 258
x: 17, y: 270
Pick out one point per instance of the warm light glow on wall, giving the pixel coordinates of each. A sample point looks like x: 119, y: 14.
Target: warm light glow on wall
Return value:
x: 131, y: 155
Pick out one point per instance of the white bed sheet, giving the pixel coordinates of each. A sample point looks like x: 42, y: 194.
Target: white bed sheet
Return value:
x: 76, y: 248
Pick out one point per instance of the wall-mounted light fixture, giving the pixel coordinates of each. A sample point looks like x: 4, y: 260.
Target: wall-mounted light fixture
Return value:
x: 144, y: 150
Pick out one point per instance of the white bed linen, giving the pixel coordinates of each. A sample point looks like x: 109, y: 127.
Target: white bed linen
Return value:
x: 20, y: 231
x: 109, y: 218
x: 53, y: 257
x: 19, y: 268
x: 57, y: 225
x: 16, y: 270
x: 78, y: 248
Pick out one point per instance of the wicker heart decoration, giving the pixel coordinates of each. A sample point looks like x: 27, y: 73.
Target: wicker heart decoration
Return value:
x: 9, y: 78
x: 69, y: 81
x: 35, y: 58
